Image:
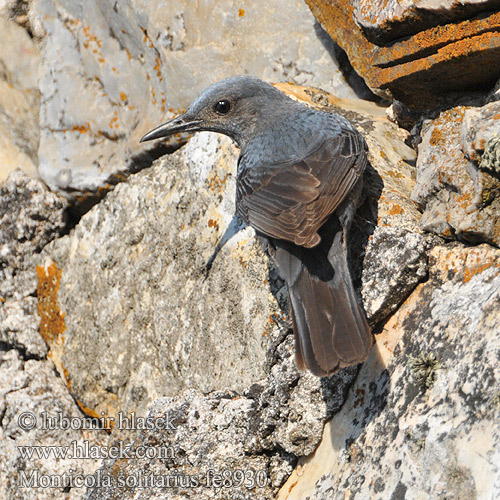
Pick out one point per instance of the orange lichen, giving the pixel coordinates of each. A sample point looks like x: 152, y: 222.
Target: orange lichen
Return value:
x: 52, y: 323
x: 213, y: 223
x: 123, y: 96
x: 157, y: 68
x: 83, y: 129
x: 470, y: 272
x: 396, y: 210
x: 436, y: 136
x: 216, y: 183
x: 425, y: 56
x: 108, y: 422
x: 241, y: 12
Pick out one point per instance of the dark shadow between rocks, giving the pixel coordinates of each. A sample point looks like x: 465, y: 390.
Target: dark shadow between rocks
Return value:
x: 338, y: 55
x: 83, y: 202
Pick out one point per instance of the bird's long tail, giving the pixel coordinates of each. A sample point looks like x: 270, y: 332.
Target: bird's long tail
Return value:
x: 331, y: 331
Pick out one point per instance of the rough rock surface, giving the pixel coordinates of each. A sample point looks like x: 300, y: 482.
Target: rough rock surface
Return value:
x: 30, y: 389
x: 421, y: 420
x: 19, y: 100
x: 111, y: 71
x: 459, y: 199
x: 430, y: 66
x: 37, y: 412
x: 30, y: 217
x: 259, y: 434
x: 386, y: 21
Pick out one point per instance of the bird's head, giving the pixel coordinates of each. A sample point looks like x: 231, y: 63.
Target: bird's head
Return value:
x: 236, y: 107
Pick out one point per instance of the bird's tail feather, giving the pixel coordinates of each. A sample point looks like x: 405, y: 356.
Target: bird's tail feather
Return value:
x: 331, y: 331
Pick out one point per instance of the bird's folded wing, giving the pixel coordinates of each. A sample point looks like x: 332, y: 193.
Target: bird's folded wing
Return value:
x: 292, y: 200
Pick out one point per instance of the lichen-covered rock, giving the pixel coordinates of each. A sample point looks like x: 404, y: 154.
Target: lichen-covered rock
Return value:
x: 479, y: 125
x: 458, y: 199
x: 111, y: 71
x: 136, y: 294
x: 421, y: 420
x: 418, y: 52
x: 386, y: 21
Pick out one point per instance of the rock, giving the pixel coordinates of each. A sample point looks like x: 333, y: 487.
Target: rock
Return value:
x: 207, y: 444
x: 16, y: 10
x: 479, y: 124
x: 384, y: 22
x: 395, y: 262
x: 18, y: 65
x: 110, y: 72
x: 404, y: 51
x: 490, y: 160
x: 258, y: 433
x: 30, y: 217
x: 30, y: 389
x: 19, y: 323
x: 19, y: 100
x: 419, y: 422
x: 38, y: 413
x: 162, y: 327
x: 458, y: 199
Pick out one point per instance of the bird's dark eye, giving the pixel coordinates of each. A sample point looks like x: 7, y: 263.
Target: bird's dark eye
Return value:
x: 222, y: 107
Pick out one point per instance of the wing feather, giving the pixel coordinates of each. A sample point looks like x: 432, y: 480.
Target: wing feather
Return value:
x: 291, y: 201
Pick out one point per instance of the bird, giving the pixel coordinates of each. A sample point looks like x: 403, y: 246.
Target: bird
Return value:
x: 299, y: 182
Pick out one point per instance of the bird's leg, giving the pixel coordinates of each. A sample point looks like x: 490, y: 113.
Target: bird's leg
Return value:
x: 234, y: 227
x: 347, y: 211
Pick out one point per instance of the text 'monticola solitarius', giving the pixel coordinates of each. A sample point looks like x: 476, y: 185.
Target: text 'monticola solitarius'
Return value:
x: 299, y: 180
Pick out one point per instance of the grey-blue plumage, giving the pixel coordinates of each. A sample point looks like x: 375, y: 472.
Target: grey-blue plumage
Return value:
x: 299, y: 180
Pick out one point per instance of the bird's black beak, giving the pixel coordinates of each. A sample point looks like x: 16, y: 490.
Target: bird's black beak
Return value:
x: 179, y: 124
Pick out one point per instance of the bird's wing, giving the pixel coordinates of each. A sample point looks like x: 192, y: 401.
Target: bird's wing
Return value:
x: 291, y: 201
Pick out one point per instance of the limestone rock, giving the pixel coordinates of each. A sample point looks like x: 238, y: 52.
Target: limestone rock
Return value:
x: 37, y: 412
x: 15, y: 10
x: 405, y: 51
x: 30, y: 217
x: 19, y: 323
x: 395, y: 262
x: 458, y: 199
x: 19, y: 100
x: 111, y: 71
x: 479, y: 125
x: 384, y: 22
x: 421, y: 420
x: 259, y: 434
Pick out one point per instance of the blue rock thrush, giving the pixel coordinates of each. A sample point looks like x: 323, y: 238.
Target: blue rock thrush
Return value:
x: 299, y: 180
